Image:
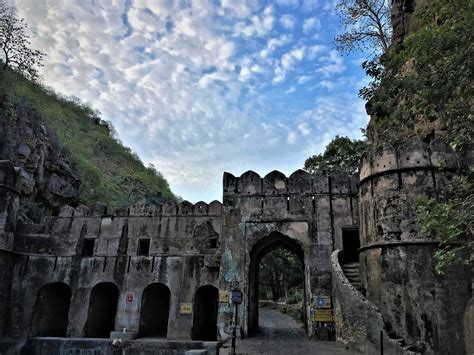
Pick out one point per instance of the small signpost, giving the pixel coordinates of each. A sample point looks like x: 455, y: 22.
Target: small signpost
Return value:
x: 236, y: 299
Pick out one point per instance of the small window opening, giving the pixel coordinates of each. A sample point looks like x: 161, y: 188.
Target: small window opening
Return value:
x: 144, y: 247
x: 88, y: 247
x: 213, y: 243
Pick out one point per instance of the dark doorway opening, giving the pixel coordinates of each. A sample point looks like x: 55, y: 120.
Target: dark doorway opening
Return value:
x: 102, y: 309
x: 260, y: 250
x: 205, y: 314
x: 350, y: 245
x: 143, y: 246
x: 50, y: 313
x: 155, y: 311
x: 88, y: 247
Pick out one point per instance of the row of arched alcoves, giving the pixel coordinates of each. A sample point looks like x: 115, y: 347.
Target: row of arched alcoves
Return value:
x: 51, y: 311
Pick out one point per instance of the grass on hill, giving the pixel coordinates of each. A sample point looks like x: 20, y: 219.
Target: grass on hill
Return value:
x: 109, y: 172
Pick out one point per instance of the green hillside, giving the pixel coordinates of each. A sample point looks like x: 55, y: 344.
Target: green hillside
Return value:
x: 109, y: 172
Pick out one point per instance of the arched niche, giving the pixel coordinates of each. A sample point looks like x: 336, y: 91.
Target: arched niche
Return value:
x: 51, y: 310
x: 102, y: 309
x: 154, y: 312
x: 205, y: 313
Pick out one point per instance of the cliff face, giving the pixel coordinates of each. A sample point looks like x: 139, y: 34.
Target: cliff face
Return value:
x: 402, y: 11
x: 426, y: 87
x: 44, y: 173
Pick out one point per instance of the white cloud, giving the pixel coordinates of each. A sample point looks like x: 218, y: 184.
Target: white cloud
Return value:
x: 290, y: 90
x: 257, y: 25
x: 288, y: 21
x: 310, y: 24
x: 304, y: 128
x: 313, y: 51
x: 287, y: 62
x: 273, y: 44
x: 292, y: 3
x: 292, y: 137
x: 303, y: 79
x: 332, y: 64
x: 311, y: 5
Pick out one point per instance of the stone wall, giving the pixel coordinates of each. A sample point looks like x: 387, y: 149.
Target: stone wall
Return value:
x: 189, y: 246
x: 396, y: 260
x: 358, y: 322
x: 180, y: 257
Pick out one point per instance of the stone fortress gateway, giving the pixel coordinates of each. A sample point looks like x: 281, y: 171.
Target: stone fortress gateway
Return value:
x: 63, y: 273
x: 164, y: 270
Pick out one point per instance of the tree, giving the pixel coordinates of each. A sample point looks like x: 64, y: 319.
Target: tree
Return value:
x: 366, y: 24
x: 15, y: 48
x: 279, y: 272
x: 341, y: 154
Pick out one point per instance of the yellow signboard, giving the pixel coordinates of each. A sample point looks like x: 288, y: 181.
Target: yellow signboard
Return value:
x: 320, y: 301
x: 223, y: 296
x: 186, y: 308
x: 322, y: 315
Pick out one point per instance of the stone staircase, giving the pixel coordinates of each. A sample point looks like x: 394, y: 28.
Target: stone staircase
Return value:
x: 351, y: 271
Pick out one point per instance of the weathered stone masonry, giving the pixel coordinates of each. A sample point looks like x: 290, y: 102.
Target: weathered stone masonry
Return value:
x: 404, y: 300
x: 189, y: 252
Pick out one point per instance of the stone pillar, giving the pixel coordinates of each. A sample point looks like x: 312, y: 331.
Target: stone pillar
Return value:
x: 9, y: 202
x: 396, y: 260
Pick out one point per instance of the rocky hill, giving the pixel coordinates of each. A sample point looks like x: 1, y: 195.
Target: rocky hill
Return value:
x: 65, y: 154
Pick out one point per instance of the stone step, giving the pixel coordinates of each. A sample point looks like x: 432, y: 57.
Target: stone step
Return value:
x: 351, y: 273
x: 356, y: 267
x: 350, y: 264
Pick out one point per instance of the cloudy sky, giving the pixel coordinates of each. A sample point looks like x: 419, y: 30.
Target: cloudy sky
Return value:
x: 199, y: 87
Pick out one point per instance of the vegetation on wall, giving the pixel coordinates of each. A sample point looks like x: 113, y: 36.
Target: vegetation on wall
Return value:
x: 450, y: 218
x: 426, y: 86
x: 109, y: 172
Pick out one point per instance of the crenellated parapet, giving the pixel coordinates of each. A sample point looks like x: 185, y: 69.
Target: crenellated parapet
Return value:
x: 276, y: 183
x: 169, y: 208
x: 412, y: 155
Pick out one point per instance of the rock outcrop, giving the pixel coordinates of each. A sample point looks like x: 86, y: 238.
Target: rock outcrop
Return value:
x: 402, y: 11
x: 45, y: 176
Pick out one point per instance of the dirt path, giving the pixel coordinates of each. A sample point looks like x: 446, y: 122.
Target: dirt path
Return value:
x: 279, y: 334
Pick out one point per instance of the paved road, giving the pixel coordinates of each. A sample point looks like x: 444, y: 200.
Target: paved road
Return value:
x: 279, y: 334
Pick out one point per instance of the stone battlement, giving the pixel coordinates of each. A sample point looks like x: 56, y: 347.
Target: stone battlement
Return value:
x: 168, y: 209
x: 413, y: 154
x: 299, y: 182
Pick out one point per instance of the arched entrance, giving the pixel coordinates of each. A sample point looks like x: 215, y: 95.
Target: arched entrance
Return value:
x: 263, y: 247
x: 155, y: 310
x: 50, y: 313
x: 102, y: 308
x: 205, y: 313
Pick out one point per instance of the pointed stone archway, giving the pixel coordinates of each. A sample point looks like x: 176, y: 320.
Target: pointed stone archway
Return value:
x: 264, y: 246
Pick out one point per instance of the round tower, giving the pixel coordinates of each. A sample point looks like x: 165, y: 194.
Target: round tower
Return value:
x: 396, y: 260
